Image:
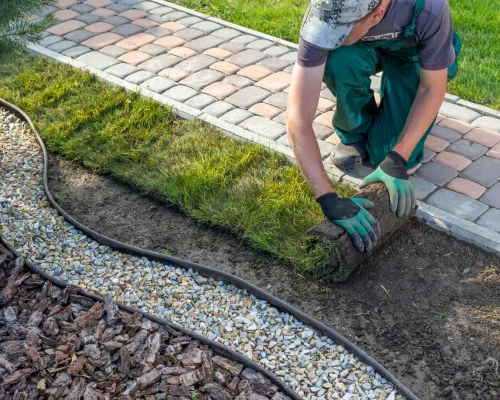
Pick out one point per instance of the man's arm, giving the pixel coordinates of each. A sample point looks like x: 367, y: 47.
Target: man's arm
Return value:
x: 425, y: 107
x: 302, y: 104
x: 392, y: 171
x: 350, y: 214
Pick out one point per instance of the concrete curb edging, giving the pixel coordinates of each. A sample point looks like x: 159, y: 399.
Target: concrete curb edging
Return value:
x: 432, y: 216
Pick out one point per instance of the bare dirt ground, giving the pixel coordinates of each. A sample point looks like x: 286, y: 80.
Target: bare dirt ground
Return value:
x: 426, y: 306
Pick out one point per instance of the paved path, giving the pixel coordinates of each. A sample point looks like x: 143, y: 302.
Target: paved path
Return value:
x: 238, y: 80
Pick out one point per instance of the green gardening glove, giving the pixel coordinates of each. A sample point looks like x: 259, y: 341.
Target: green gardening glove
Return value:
x: 392, y: 173
x: 351, y: 215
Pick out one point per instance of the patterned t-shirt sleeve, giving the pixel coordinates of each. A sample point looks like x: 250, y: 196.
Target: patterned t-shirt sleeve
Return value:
x: 435, y: 48
x: 310, y: 55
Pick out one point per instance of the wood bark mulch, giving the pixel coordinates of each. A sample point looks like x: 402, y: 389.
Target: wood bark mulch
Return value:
x: 57, y: 344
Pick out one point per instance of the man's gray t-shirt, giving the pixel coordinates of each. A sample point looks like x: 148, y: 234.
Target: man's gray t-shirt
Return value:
x: 433, y: 30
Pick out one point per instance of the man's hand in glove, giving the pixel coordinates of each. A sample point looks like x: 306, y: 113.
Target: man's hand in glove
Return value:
x: 392, y: 173
x: 351, y: 215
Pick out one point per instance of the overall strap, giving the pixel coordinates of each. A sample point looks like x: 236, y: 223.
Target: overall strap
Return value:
x: 410, y: 29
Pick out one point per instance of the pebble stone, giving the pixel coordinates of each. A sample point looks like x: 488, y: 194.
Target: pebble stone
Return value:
x: 313, y: 365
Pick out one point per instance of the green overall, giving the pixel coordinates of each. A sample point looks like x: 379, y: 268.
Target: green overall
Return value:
x: 357, y: 117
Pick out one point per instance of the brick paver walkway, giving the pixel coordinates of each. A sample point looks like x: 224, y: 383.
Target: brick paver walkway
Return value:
x: 242, y: 79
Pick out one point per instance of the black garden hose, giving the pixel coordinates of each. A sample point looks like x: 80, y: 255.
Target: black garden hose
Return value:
x: 207, y: 272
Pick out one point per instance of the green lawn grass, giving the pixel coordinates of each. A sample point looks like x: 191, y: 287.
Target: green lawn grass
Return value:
x: 477, y: 22
x: 257, y: 194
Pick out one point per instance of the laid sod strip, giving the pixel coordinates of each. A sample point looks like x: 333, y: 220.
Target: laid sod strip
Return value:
x: 477, y: 22
x: 257, y: 194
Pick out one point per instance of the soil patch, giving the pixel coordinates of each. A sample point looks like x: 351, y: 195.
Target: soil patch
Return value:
x: 426, y: 306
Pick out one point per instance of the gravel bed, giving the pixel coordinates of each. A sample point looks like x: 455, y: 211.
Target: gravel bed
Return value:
x: 59, y: 344
x: 313, y: 365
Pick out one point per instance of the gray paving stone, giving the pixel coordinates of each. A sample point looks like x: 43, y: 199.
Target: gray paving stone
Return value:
x: 227, y: 33
x: 98, y: 60
x: 451, y: 98
x: 161, y: 10
x: 466, y: 148
x: 79, y: 36
x: 159, y: 32
x: 76, y: 51
x: 247, y: 97
x: 64, y: 45
x: 375, y: 83
x: 446, y: 134
x: 153, y: 49
x: 428, y: 155
x: 247, y: 57
x: 116, y: 20
x: 175, y: 16
x: 203, y: 78
x: 204, y: 43
x: 188, y: 21
x: 282, y: 118
x: 233, y: 47
x: 122, y: 70
x: 47, y: 10
x: 118, y: 8
x: 457, y: 204
x: 284, y: 141
x: 239, y: 81
x: 89, y: 18
x: 421, y: 187
x: 489, y: 123
x: 458, y: 112
x: 218, y: 109
x: 236, y: 116
x: 201, y: 101
x: 492, y: 196
x: 159, y: 63
x: 158, y: 84
x: 206, y: 26
x: 156, y: 18
x: 45, y: 34
x: 197, y: 63
x: 277, y: 51
x: 289, y: 69
x: 113, y: 51
x: 436, y: 173
x: 50, y: 40
x: 320, y: 131
x: 278, y: 100
x: 261, y: 44
x: 270, y: 129
x: 180, y: 93
x: 146, y: 6
x: 485, y: 171
x: 129, y: 2
x: 291, y: 57
x: 490, y: 219
x: 127, y: 30
x: 274, y: 64
x: 245, y: 39
x: 325, y: 148
x: 139, y: 77
x: 82, y: 8
x: 326, y: 94
x: 189, y: 34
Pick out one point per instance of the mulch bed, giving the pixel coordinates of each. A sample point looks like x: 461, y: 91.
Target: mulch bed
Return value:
x: 55, y: 343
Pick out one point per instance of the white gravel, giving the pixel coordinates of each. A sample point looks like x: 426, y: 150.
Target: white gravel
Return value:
x: 313, y: 365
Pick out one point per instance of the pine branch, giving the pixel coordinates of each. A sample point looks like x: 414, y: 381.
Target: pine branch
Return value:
x: 11, y: 10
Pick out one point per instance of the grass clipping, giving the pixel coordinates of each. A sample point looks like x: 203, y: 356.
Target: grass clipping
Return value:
x: 255, y: 193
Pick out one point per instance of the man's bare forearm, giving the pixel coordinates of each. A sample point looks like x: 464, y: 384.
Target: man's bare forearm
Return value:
x: 308, y: 157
